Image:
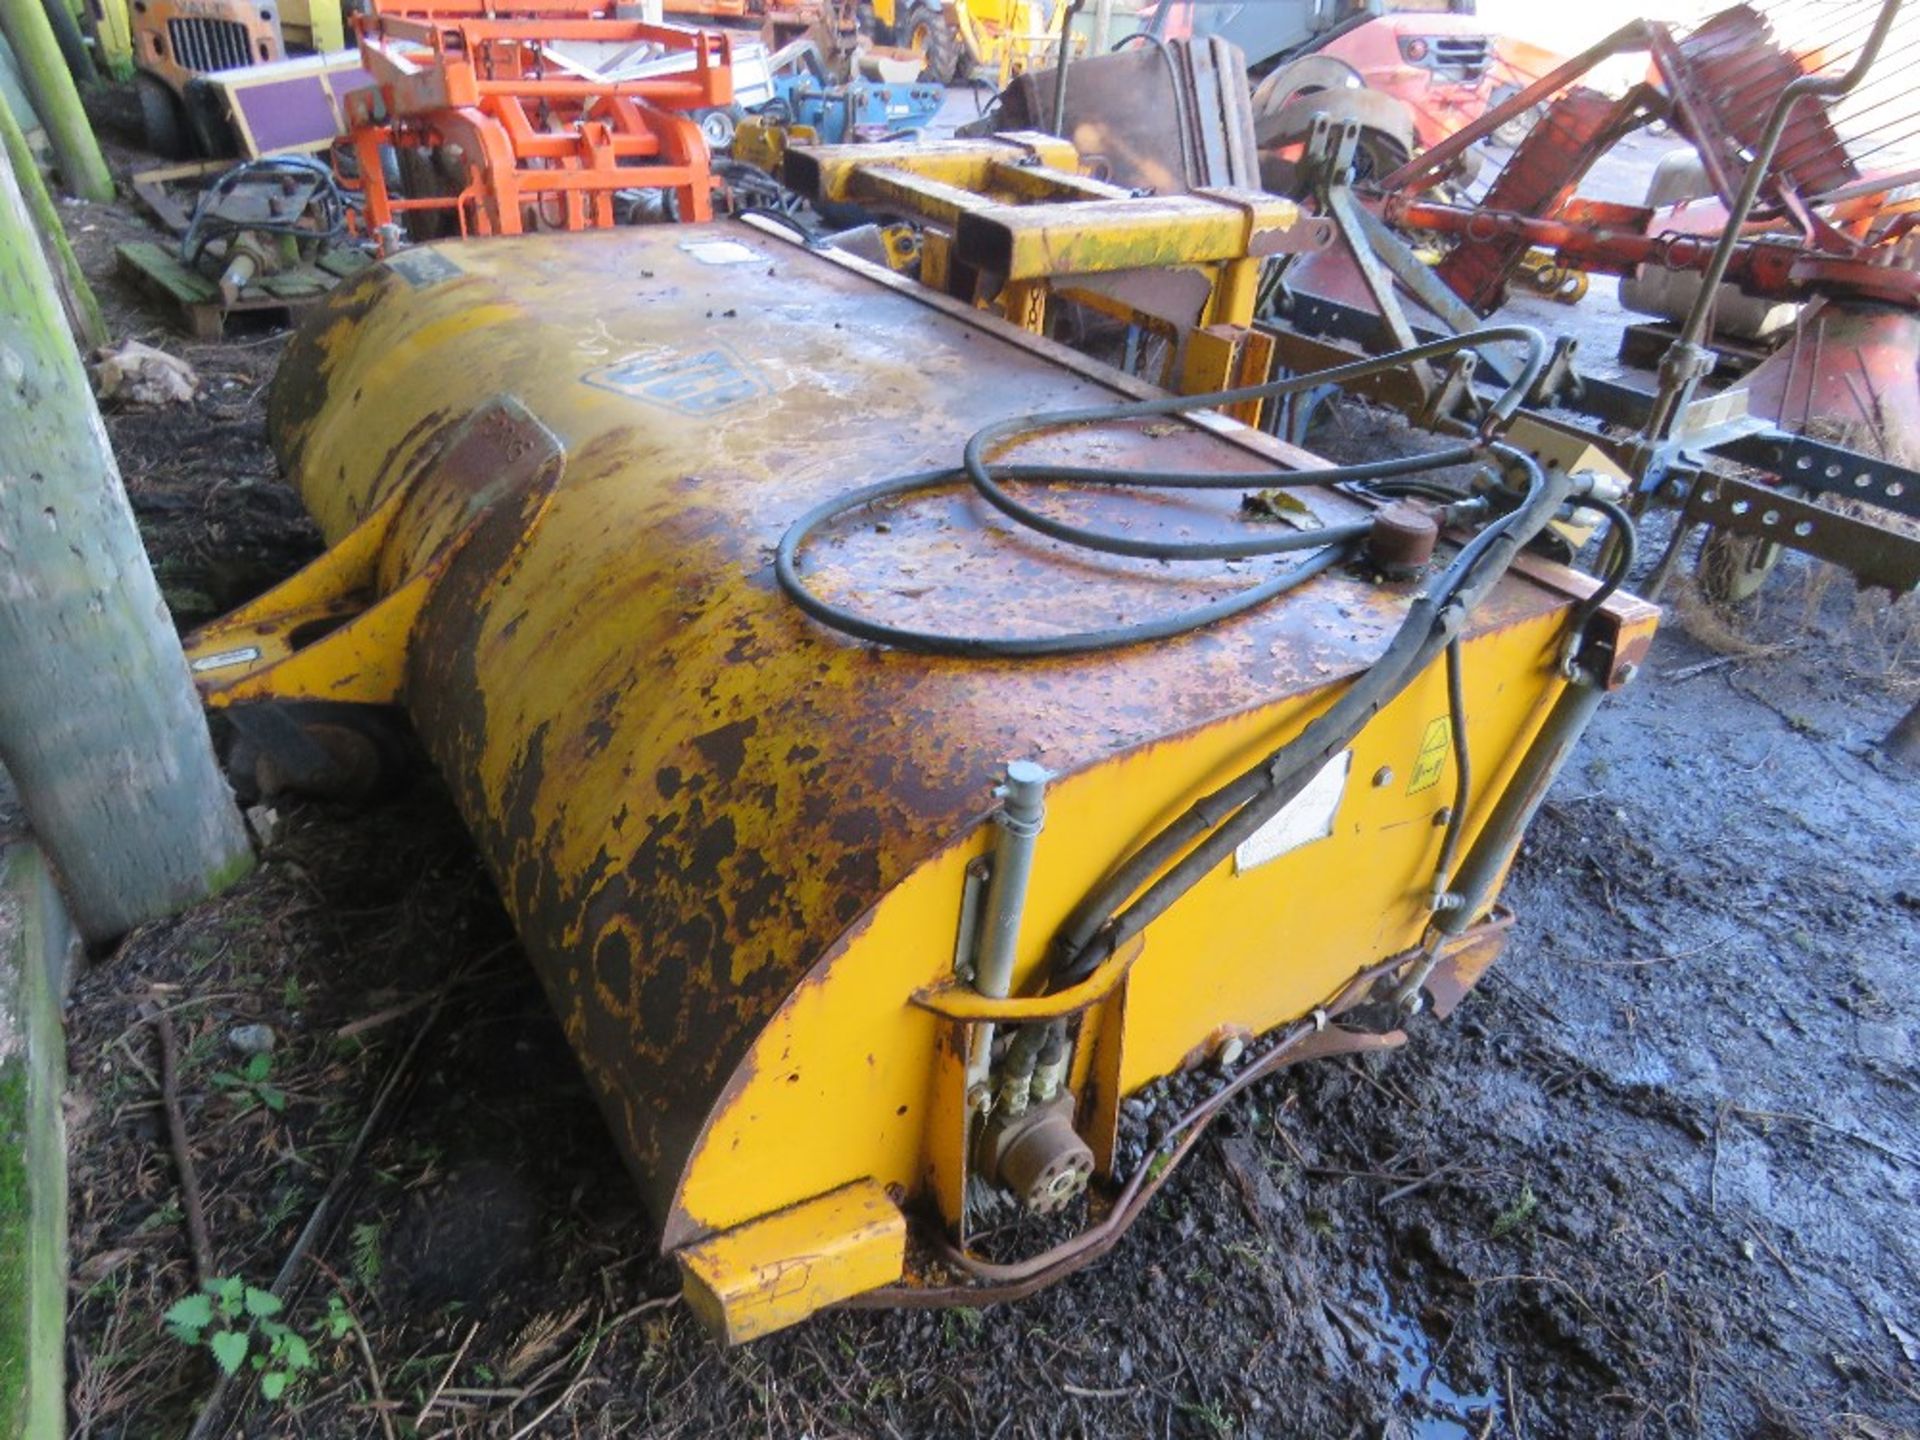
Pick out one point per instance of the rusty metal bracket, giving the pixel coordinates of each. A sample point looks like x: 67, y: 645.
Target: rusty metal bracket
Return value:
x: 338, y: 629
x: 1464, y: 959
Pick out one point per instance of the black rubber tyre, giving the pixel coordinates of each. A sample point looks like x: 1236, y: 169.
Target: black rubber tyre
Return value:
x: 162, y: 118
x: 930, y: 32
x: 1377, y: 156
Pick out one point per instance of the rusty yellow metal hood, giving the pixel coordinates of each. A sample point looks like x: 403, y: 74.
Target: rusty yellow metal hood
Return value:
x: 554, y: 471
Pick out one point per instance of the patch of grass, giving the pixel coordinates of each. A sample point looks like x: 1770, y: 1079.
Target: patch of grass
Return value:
x: 1209, y: 1413
x: 1256, y: 1257
x: 366, y: 1253
x: 1516, y: 1214
x: 961, y: 1322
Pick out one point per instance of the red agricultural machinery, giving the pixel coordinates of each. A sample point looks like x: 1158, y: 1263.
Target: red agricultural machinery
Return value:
x: 1800, y: 122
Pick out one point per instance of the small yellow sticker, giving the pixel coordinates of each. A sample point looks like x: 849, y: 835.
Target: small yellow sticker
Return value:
x: 1431, y: 763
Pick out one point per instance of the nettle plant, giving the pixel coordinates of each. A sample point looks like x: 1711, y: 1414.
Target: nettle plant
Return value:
x: 239, y: 1325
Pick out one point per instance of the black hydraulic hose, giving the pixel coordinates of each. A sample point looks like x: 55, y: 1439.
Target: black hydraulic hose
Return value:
x: 1462, y: 767
x: 1502, y: 409
x: 1622, y: 550
x: 1003, y: 647
x: 987, y: 479
x: 1424, y: 489
x: 1215, y: 825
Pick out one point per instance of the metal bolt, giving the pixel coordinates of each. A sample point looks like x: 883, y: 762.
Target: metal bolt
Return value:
x: 977, y: 1097
x: 1625, y: 673
x: 1383, y: 777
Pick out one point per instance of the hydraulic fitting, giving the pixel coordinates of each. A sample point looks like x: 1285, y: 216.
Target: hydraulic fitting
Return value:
x: 1402, y: 539
x: 1038, y: 1156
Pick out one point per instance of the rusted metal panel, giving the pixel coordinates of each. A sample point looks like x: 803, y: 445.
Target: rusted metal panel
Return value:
x: 688, y: 793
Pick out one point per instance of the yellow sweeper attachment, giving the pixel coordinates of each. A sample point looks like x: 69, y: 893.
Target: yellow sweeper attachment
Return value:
x: 869, y: 853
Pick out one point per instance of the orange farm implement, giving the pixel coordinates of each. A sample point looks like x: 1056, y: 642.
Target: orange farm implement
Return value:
x: 490, y: 132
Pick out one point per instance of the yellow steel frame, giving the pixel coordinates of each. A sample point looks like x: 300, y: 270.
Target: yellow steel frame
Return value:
x: 1010, y: 225
x: 1143, y: 1010
x: 1013, y: 209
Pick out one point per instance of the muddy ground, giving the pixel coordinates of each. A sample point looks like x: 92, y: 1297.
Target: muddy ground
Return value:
x: 1657, y: 1178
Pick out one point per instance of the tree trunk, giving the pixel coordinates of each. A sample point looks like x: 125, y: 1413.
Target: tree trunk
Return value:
x: 99, y: 724
x: 83, y: 170
x: 76, y: 296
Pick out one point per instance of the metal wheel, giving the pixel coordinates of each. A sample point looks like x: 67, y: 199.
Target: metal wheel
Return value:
x: 1509, y: 135
x: 1732, y: 568
x: 719, y: 127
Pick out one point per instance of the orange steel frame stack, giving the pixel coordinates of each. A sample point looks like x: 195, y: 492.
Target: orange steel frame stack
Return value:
x: 522, y: 143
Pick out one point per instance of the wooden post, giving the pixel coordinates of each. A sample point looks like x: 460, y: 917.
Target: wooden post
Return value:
x: 100, y: 728
x: 76, y: 296
x: 83, y: 170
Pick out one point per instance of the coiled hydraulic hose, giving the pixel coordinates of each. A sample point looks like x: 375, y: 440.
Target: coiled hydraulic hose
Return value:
x: 1173, y: 861
x: 1331, y: 544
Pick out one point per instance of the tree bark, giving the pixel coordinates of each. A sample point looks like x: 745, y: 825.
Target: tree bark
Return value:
x: 100, y: 727
x: 76, y: 296
x: 83, y: 170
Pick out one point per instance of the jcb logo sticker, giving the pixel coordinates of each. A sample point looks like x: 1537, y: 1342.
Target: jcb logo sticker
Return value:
x: 1431, y: 762
x: 704, y: 383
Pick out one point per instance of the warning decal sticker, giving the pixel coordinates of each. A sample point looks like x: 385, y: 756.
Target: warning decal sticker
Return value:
x: 1431, y: 763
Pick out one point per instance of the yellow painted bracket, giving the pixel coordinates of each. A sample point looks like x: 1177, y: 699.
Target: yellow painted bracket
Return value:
x: 258, y: 648
x: 952, y: 1000
x: 776, y: 1271
x: 832, y: 172
x: 1227, y: 357
x: 326, y: 633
